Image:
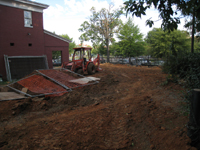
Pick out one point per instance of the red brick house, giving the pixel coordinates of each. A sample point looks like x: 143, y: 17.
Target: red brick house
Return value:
x: 22, y: 33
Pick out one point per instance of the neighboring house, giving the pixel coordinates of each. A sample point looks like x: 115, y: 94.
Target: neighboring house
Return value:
x: 22, y: 34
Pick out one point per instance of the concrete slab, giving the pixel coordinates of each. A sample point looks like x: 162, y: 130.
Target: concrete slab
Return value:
x: 84, y: 80
x: 24, y: 90
x: 10, y: 96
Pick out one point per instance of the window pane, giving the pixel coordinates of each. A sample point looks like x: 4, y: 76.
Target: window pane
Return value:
x: 28, y: 22
x: 27, y: 14
x: 77, y: 55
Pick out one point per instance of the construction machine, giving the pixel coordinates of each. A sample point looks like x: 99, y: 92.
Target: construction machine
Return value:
x: 82, y: 61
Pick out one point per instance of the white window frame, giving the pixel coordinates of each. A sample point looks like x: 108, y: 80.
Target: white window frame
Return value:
x: 28, y: 19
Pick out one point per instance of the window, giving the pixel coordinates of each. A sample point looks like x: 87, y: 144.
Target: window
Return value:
x: 27, y: 19
x: 77, y: 55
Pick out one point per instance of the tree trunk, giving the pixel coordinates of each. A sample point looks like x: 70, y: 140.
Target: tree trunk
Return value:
x: 193, y: 28
x: 108, y: 52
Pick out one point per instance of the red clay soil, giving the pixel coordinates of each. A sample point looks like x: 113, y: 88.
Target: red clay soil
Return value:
x: 38, y: 84
x: 128, y: 109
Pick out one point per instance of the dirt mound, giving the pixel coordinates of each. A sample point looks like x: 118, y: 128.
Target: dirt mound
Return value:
x: 129, y: 109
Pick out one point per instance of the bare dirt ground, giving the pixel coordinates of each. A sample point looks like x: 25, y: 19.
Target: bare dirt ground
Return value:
x: 128, y: 109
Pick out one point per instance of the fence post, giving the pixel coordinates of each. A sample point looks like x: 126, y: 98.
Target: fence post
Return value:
x: 194, y: 119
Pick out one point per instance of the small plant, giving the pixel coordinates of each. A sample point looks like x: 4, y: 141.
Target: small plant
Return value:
x: 169, y: 78
x: 186, y: 68
x: 4, y: 83
x: 186, y: 102
x: 164, y: 83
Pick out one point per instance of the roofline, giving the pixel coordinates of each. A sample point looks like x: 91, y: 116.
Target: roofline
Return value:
x: 57, y: 36
x: 25, y: 5
x: 44, y: 6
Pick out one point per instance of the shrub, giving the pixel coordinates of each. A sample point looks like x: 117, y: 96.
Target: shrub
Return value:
x: 186, y: 67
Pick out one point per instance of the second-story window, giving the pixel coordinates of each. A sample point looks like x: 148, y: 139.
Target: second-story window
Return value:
x: 28, y: 19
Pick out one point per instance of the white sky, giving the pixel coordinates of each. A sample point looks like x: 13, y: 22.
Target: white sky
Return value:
x: 66, y: 16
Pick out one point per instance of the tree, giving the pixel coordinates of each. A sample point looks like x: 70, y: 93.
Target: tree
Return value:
x: 101, y: 27
x: 131, y: 43
x: 169, y: 16
x: 164, y: 44
x: 71, y: 45
x: 191, y: 8
x: 56, y: 54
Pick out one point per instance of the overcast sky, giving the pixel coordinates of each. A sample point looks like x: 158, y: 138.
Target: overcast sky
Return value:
x: 66, y: 16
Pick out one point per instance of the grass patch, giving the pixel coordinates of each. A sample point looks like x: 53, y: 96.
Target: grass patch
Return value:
x: 4, y: 83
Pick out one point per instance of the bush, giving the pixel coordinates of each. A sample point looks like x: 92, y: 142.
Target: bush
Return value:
x: 186, y: 67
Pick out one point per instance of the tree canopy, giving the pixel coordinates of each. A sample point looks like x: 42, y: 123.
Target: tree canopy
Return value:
x: 168, y: 12
x: 130, y: 40
x: 164, y: 44
x: 100, y: 49
x: 101, y: 27
x: 56, y: 54
x: 71, y: 45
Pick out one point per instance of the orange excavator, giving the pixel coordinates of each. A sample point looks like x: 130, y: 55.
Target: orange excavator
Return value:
x: 82, y: 61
